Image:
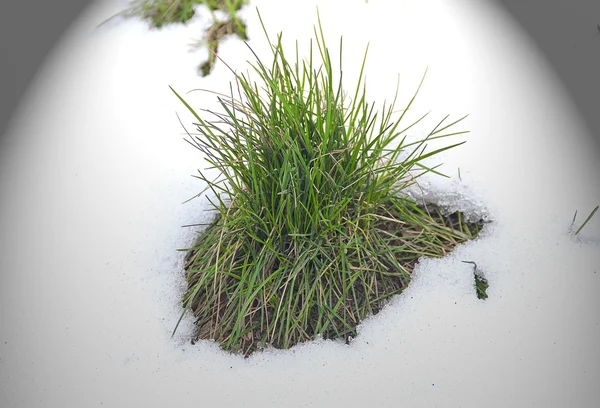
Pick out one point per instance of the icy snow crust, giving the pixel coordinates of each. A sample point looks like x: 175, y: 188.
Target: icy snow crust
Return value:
x: 95, y: 170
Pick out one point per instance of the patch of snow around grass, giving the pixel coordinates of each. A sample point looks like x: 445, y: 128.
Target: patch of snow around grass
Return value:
x: 94, y: 171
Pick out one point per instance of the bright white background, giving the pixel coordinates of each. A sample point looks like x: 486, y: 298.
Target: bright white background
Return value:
x: 95, y: 170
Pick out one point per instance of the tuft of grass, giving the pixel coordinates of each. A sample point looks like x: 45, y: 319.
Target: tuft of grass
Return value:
x: 164, y: 12
x: 312, y: 231
x: 220, y: 29
x: 160, y: 12
x: 589, y: 217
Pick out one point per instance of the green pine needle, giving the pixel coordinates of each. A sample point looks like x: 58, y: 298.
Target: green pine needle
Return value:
x: 589, y: 217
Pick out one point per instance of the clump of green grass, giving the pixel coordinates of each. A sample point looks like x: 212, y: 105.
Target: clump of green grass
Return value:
x: 312, y: 233
x: 163, y: 12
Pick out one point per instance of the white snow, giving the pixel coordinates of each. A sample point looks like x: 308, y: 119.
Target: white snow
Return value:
x: 94, y: 171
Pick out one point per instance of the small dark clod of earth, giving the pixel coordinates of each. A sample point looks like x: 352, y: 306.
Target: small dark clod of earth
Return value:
x: 481, y: 283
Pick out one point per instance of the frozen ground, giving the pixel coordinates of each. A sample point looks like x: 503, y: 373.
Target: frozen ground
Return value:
x: 95, y: 168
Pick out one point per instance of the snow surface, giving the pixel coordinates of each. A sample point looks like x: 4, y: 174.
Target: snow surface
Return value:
x: 94, y: 171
